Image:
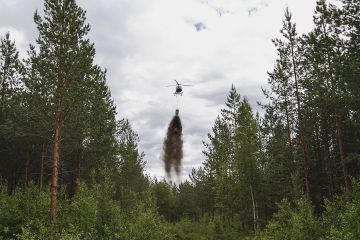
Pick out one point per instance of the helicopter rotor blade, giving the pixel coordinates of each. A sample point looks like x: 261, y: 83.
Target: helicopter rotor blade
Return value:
x: 170, y: 85
x: 176, y: 82
x: 187, y: 85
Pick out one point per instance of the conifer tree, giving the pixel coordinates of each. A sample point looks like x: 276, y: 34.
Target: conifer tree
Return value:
x: 219, y: 155
x: 231, y: 165
x: 64, y: 59
x: 286, y: 81
x: 130, y: 164
x: 282, y: 99
x: 276, y: 182
x: 325, y: 84
x: 10, y: 67
x: 217, y: 165
x: 11, y: 111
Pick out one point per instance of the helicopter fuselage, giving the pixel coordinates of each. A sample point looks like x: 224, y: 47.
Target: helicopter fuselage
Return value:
x: 178, y: 90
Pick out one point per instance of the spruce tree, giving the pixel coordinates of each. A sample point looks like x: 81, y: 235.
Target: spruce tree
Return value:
x: 130, y: 165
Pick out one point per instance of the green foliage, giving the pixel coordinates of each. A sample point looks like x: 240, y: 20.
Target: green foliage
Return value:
x: 205, y: 228
x: 28, y: 209
x: 145, y: 223
x: 130, y: 164
x: 298, y: 222
x: 202, y: 229
x: 91, y: 214
x: 166, y: 200
x: 79, y: 213
x: 188, y: 201
x: 341, y: 219
x: 12, y: 117
x: 231, y: 167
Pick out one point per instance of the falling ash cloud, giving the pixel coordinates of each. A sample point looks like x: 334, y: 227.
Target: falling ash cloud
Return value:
x: 173, y: 144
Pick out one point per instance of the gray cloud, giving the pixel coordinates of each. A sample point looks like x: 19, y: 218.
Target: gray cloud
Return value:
x: 146, y: 44
x: 252, y: 10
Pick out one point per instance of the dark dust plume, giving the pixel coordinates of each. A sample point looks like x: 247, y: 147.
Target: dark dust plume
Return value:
x: 173, y: 143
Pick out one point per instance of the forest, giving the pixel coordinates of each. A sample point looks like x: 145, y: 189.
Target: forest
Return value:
x: 70, y: 170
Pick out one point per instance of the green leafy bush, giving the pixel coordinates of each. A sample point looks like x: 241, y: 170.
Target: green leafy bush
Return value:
x: 23, y: 210
x: 295, y: 223
x: 341, y: 220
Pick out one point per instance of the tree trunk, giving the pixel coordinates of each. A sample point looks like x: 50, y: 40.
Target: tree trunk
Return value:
x: 27, y: 163
x: 254, y: 207
x: 306, y: 163
x: 291, y: 147
x: 3, y: 88
x: 327, y: 162
x: 61, y: 176
x: 11, y: 182
x: 337, y: 121
x: 57, y: 139
x: 342, y: 155
x: 301, y: 128
x: 77, y: 177
x: 42, y: 157
x: 59, y: 93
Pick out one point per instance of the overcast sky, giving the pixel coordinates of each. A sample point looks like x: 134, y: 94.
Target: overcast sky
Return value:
x: 145, y: 44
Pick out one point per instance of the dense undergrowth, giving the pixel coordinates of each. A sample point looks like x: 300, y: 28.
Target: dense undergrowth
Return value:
x: 93, y: 214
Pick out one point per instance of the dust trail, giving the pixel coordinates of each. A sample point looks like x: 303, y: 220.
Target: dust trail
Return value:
x: 173, y: 143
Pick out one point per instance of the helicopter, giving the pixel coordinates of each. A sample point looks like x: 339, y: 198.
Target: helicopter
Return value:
x: 178, y: 89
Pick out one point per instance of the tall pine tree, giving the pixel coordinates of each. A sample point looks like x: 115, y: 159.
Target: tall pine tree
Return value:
x: 63, y: 60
